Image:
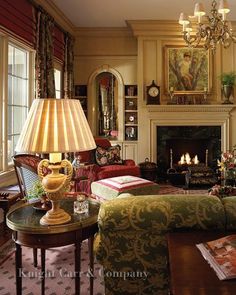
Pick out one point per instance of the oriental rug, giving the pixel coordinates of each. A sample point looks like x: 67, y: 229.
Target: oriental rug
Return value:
x: 168, y: 189
x: 59, y: 271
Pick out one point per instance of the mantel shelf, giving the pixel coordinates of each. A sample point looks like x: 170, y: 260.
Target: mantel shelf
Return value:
x: 225, y: 108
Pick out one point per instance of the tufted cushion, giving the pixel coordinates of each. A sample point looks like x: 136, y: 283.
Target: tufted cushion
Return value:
x: 108, y: 156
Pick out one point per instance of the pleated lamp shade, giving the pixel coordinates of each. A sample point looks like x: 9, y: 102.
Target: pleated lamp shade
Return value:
x: 55, y: 126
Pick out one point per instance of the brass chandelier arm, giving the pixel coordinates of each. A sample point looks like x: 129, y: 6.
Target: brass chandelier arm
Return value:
x: 210, y: 33
x: 192, y: 41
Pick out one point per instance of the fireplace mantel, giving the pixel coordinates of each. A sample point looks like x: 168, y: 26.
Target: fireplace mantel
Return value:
x: 192, y: 115
x: 222, y: 108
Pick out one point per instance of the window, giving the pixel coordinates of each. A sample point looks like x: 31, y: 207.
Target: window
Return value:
x: 16, y: 94
x: 58, y: 79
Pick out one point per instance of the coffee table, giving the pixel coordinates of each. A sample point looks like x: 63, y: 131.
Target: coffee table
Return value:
x: 190, y: 273
x: 27, y: 231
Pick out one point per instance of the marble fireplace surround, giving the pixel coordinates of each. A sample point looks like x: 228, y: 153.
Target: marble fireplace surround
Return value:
x: 189, y: 115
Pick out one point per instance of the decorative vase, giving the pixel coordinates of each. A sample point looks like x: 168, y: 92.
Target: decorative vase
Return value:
x: 227, y: 91
x: 230, y: 177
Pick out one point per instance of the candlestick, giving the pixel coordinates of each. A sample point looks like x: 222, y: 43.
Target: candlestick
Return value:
x: 171, y: 159
x: 206, y: 157
x: 171, y: 92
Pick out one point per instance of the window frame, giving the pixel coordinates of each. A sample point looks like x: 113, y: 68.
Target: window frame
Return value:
x: 5, y: 40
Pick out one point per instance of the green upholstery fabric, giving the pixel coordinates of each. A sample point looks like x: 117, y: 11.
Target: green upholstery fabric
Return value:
x: 132, y: 237
x: 230, y: 211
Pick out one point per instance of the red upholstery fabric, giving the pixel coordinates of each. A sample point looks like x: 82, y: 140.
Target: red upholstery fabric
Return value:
x: 86, y: 157
x: 89, y: 156
x: 129, y: 162
x: 117, y: 170
x: 85, y: 176
x: 103, y: 142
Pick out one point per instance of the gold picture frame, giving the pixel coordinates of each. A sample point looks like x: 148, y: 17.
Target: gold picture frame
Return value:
x: 187, y: 70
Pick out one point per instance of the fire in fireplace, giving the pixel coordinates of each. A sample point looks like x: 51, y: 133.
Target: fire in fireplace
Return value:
x: 186, y: 159
x: 187, y: 145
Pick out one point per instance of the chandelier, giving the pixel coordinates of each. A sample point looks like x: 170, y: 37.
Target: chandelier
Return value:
x: 211, y: 30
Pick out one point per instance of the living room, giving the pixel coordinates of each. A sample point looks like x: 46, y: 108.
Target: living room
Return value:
x: 134, y: 49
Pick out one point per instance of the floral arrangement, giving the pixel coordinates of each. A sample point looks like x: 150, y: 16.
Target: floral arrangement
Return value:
x: 228, y: 164
x: 222, y: 191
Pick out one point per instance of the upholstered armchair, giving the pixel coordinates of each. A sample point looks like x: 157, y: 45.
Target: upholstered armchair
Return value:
x: 104, y: 162
x: 26, y: 172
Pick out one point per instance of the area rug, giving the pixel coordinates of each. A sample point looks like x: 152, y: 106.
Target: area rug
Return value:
x: 168, y: 189
x: 59, y: 271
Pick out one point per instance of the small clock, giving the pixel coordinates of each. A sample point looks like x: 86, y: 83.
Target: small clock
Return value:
x: 153, y: 94
x: 153, y: 91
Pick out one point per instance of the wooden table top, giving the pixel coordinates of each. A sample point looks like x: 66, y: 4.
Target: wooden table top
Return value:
x: 190, y: 272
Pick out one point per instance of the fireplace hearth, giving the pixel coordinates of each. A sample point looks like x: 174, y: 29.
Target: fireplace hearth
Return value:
x: 175, y: 142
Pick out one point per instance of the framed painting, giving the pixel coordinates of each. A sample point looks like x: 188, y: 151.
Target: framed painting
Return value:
x: 187, y: 70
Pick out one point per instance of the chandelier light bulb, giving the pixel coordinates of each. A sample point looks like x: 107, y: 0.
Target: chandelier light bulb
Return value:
x: 223, y: 7
x: 183, y: 19
x: 199, y: 9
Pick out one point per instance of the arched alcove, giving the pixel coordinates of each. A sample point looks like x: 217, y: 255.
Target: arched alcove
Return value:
x: 96, y: 113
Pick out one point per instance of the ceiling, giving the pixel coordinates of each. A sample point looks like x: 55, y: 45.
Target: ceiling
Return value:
x: 114, y: 13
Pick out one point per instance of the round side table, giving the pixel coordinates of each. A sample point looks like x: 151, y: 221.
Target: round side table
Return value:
x: 27, y: 231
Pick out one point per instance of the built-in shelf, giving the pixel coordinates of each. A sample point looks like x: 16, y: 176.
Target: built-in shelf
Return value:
x: 131, y: 112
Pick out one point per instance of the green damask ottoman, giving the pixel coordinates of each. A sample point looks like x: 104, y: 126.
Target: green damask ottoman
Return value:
x: 110, y: 188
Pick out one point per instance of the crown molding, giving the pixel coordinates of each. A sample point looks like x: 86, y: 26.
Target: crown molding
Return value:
x: 170, y: 28
x: 103, y: 32
x: 155, y: 27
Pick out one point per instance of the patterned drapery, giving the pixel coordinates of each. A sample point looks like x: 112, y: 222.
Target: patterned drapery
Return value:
x: 45, y: 84
x: 68, y: 69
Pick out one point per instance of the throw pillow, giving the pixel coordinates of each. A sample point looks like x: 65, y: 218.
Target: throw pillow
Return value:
x: 109, y: 156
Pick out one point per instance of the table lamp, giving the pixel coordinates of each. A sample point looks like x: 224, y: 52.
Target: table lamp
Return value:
x: 55, y: 126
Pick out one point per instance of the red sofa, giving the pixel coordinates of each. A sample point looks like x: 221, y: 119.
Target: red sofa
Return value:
x: 94, y: 172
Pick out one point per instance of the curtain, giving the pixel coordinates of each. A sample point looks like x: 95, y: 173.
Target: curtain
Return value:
x: 45, y: 84
x: 17, y: 18
x: 69, y: 63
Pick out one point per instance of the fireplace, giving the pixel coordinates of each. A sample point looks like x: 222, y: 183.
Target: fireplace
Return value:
x: 174, y: 142
x: 215, y: 118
